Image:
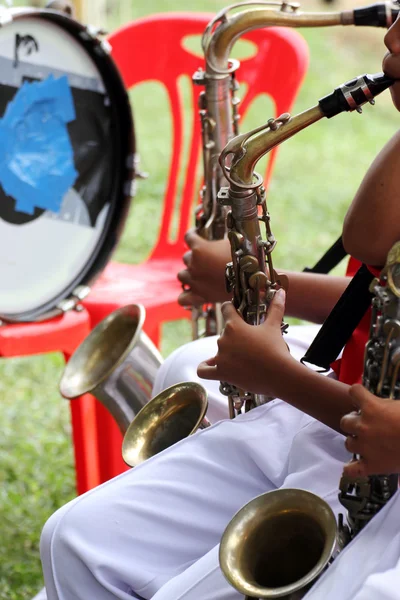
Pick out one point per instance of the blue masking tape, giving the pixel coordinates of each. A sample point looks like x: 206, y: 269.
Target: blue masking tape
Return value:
x: 36, y: 156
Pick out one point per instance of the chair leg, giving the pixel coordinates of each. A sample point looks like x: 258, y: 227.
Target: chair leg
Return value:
x: 86, y: 443
x: 154, y: 332
x: 110, y: 447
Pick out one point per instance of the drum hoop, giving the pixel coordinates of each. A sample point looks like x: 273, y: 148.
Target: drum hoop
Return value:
x: 123, y: 161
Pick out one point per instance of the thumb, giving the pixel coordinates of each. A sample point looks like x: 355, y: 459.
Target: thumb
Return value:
x: 360, y: 396
x: 229, y: 312
x: 192, y: 239
x: 276, y: 309
x: 355, y: 468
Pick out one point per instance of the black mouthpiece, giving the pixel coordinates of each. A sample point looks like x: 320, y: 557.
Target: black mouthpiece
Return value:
x: 353, y: 94
x: 376, y: 15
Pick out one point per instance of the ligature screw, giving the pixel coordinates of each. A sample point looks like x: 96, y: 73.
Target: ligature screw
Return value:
x: 359, y: 110
x: 274, y: 124
x: 372, y: 102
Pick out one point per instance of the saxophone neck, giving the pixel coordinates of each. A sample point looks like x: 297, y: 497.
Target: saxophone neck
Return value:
x: 264, y: 140
x: 222, y: 32
x: 246, y: 150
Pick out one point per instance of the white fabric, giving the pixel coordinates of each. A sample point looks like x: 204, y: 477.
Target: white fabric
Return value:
x: 154, y: 532
x: 182, y: 364
x: 369, y: 568
x: 41, y: 595
x: 149, y: 525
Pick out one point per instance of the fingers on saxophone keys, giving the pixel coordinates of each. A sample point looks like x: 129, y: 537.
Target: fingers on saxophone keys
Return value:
x: 356, y: 468
x: 185, y: 279
x: 191, y: 237
x: 188, y: 298
x: 208, y: 369
x: 352, y: 444
x: 351, y: 423
x: 187, y: 258
x: 229, y: 313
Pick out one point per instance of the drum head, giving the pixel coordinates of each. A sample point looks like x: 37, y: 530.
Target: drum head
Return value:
x: 66, y: 160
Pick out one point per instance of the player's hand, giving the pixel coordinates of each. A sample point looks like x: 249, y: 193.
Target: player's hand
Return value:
x: 373, y: 433
x: 249, y: 356
x: 204, y: 276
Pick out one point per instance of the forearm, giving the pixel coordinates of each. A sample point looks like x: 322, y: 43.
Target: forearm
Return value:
x: 372, y: 223
x: 324, y: 398
x: 312, y: 296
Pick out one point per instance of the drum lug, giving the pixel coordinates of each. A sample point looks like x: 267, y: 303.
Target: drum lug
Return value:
x: 95, y: 32
x: 133, y: 162
x: 73, y: 302
x: 130, y: 189
x: 92, y: 33
x: 80, y: 292
x: 105, y: 46
x: 66, y: 305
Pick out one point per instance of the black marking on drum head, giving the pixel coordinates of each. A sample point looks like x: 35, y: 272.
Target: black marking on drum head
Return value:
x: 27, y: 43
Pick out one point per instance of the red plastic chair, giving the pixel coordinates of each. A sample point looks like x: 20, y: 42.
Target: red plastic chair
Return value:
x: 151, y: 49
x: 62, y: 334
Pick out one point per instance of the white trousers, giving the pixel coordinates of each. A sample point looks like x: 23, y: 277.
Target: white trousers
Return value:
x: 153, y: 532
x: 369, y: 568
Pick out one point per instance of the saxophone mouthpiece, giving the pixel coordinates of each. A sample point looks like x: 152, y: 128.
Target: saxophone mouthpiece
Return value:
x: 382, y: 14
x: 353, y: 94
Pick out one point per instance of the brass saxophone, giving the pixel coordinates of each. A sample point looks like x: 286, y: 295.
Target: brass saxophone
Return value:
x: 252, y: 285
x: 218, y: 103
x: 363, y: 497
x: 302, y: 526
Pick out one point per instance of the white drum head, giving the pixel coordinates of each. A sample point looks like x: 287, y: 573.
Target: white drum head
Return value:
x: 64, y: 189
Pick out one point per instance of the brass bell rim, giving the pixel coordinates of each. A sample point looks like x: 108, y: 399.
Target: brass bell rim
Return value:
x: 101, y: 327
x: 267, y: 593
x: 147, y: 408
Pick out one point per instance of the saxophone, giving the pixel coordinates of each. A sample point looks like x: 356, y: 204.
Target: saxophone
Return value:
x: 280, y: 542
x: 363, y: 497
x: 218, y: 103
x: 254, y: 286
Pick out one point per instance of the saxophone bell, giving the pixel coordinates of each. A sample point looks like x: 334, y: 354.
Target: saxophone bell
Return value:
x: 278, y: 544
x: 174, y: 414
x: 117, y: 363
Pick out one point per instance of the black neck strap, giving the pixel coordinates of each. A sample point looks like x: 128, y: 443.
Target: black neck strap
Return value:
x: 330, y: 259
x: 341, y: 322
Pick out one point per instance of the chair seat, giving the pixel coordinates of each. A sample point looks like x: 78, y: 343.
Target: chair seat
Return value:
x: 152, y: 283
x: 62, y: 334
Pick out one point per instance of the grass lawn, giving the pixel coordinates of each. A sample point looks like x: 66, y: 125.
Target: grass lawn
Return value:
x: 315, y: 177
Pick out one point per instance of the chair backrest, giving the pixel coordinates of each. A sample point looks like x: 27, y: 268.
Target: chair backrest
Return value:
x: 151, y: 49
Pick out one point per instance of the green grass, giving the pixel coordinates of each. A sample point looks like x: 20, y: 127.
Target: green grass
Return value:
x: 316, y: 175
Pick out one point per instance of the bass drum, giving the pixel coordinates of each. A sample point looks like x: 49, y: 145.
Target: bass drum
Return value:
x: 67, y: 151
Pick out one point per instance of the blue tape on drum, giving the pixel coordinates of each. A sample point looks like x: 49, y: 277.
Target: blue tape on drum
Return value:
x: 66, y: 160
x: 36, y: 156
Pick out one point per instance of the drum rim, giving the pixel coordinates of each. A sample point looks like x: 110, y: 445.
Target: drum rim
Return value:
x: 125, y: 145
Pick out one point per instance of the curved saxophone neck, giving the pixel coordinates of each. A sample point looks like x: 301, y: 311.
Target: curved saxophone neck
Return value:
x: 222, y: 32
x: 247, y: 149
x: 268, y: 137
